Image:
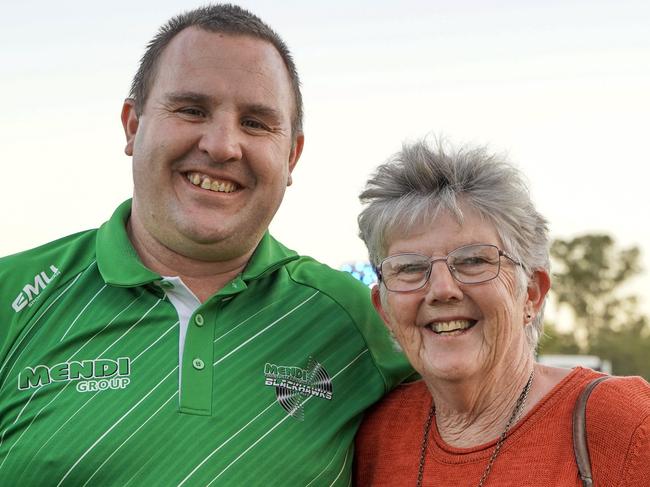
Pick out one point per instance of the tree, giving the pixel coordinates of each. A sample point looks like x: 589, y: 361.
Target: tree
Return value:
x: 557, y: 342
x: 589, y: 277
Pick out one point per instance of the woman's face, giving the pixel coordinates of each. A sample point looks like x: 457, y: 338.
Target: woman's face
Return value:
x: 492, y: 313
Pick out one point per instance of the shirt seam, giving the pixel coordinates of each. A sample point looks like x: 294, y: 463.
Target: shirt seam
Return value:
x: 351, y: 318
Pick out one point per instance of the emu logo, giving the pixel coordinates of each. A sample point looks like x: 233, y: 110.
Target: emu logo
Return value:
x: 29, y: 292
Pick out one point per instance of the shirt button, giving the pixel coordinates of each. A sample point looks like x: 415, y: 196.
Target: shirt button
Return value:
x: 198, y: 364
x: 198, y: 319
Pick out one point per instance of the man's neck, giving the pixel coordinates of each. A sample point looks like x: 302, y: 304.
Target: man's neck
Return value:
x: 203, y: 278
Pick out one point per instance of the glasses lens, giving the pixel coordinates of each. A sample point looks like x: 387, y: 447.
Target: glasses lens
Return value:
x: 474, y: 263
x: 405, y: 272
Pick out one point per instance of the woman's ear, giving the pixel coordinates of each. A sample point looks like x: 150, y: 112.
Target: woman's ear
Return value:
x: 538, y: 286
x: 379, y: 306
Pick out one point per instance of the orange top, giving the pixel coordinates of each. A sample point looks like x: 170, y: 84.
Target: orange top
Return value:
x: 537, y: 452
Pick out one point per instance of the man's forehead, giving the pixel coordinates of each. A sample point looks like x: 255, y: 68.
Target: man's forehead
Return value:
x: 196, y: 43
x: 194, y: 51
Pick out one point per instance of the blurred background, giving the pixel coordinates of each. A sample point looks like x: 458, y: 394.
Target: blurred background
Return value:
x: 561, y: 87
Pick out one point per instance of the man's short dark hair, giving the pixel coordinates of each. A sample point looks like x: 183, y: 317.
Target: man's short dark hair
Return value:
x: 223, y: 18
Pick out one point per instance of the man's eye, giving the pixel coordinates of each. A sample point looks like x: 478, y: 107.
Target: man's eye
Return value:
x: 192, y: 112
x: 254, y: 124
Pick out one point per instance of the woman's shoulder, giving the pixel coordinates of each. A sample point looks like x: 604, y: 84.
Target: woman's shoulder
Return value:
x: 408, y: 403
x: 389, y: 439
x: 407, y: 392
x: 618, y: 431
x: 616, y: 408
x: 409, y: 397
x: 620, y: 389
x: 620, y: 403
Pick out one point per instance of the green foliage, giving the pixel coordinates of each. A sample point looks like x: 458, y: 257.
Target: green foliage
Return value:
x: 627, y: 348
x: 589, y: 274
x: 556, y: 342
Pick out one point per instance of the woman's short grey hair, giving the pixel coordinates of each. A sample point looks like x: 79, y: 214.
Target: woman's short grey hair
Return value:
x: 417, y: 182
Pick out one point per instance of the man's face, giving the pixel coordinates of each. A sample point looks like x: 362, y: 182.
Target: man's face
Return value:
x: 212, y: 150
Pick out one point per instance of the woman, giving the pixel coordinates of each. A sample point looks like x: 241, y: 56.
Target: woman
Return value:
x: 462, y: 259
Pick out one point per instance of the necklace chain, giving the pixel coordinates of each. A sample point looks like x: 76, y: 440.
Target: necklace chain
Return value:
x: 519, y: 406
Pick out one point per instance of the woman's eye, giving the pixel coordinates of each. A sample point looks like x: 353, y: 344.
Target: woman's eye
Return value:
x: 411, y: 268
x: 471, y: 261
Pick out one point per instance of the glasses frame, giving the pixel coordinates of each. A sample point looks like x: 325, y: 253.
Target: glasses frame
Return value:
x: 450, y: 268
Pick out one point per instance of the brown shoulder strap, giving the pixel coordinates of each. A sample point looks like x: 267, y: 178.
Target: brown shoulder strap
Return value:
x: 580, y: 449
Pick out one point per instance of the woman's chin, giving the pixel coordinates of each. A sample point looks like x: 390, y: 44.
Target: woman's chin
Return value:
x: 450, y: 367
x: 448, y: 374
x: 450, y: 363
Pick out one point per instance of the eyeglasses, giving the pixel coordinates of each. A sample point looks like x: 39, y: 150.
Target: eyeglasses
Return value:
x: 470, y: 264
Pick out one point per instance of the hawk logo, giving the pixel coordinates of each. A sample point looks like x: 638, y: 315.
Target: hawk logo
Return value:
x: 293, y: 385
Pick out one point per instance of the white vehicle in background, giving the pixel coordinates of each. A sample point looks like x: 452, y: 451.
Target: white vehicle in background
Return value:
x: 570, y: 361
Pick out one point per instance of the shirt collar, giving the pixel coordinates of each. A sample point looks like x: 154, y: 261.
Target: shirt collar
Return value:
x: 120, y: 265
x: 268, y: 256
x: 117, y: 260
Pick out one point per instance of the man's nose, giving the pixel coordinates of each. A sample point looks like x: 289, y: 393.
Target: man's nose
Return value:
x: 442, y: 286
x: 222, y: 140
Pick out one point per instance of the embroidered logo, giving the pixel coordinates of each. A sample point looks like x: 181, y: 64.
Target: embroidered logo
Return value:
x: 92, y: 375
x: 294, y: 385
x: 29, y: 292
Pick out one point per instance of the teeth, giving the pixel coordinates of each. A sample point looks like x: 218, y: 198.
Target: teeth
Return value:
x: 447, y: 326
x: 213, y: 185
x: 217, y: 186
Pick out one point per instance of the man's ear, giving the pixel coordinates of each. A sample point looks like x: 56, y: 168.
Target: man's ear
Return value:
x: 376, y: 302
x: 294, y: 155
x: 538, y: 286
x: 130, y: 123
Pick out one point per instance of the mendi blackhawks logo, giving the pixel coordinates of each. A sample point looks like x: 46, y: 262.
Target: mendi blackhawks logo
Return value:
x: 295, y: 385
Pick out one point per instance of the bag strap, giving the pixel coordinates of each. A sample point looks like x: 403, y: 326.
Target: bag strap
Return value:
x: 580, y: 448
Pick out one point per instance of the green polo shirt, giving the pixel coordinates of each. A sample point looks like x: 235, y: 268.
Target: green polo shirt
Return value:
x: 276, y: 370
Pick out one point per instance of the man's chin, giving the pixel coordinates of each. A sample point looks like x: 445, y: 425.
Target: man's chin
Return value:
x: 212, y: 246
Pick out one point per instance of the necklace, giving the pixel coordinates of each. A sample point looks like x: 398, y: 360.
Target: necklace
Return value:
x: 519, y: 406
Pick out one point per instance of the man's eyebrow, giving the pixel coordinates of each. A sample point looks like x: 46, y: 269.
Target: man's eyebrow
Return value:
x: 264, y: 111
x: 188, y: 97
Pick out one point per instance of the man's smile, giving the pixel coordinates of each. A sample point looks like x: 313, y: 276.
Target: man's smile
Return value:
x: 212, y: 184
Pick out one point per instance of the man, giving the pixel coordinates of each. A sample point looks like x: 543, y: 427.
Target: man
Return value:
x: 180, y: 344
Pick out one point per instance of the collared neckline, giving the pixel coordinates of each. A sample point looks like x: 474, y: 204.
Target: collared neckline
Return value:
x: 120, y: 265
x: 117, y: 260
x: 268, y: 256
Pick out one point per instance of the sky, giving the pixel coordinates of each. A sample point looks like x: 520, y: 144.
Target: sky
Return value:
x: 561, y: 87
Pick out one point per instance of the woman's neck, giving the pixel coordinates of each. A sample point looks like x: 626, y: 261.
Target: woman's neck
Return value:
x: 476, y: 411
